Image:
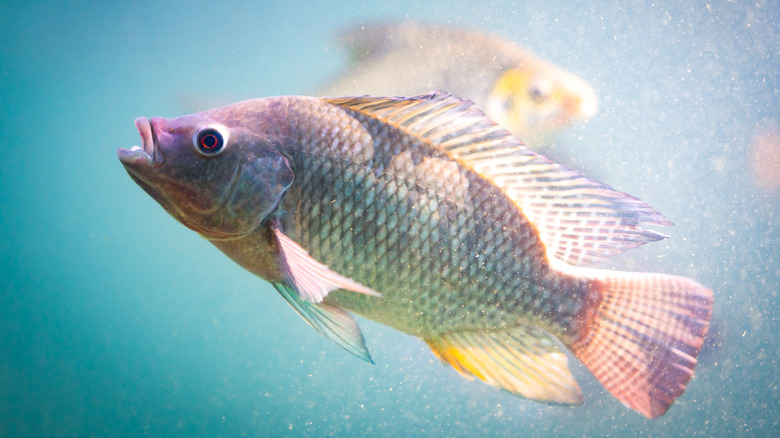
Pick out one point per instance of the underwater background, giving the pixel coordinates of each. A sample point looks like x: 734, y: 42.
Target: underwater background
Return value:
x: 115, y: 320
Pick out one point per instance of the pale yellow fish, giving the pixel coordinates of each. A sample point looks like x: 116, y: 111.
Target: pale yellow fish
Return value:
x: 527, y: 96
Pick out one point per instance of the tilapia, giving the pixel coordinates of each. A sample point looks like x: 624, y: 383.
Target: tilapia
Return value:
x: 528, y: 96
x: 422, y: 214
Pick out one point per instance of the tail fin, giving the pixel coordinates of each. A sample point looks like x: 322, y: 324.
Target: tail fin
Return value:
x: 644, y: 337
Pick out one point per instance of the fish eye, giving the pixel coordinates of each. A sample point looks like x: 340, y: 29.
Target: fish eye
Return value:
x: 210, y: 140
x: 539, y: 91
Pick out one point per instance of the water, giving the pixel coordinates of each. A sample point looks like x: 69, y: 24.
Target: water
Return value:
x: 117, y: 321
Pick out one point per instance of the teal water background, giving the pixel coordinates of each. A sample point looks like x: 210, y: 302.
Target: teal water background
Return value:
x: 115, y: 320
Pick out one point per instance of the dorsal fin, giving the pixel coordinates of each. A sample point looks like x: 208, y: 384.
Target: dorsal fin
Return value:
x: 580, y: 221
x: 366, y: 43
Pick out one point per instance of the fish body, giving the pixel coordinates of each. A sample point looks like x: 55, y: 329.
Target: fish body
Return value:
x: 528, y: 96
x: 422, y: 214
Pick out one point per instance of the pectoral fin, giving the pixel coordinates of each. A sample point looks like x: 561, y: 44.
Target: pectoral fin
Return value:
x: 523, y: 360
x: 309, y: 278
x: 334, y: 323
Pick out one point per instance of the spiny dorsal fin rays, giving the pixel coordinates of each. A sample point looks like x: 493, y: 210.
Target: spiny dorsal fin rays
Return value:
x: 580, y: 221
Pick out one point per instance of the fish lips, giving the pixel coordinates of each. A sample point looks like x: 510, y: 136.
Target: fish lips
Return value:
x: 143, y: 163
x: 149, y: 154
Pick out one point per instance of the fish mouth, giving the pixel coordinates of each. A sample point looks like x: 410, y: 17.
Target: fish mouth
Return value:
x: 148, y: 153
x: 583, y: 103
x: 588, y: 106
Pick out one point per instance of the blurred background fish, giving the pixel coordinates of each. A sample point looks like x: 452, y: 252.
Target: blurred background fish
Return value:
x: 524, y: 94
x: 764, y: 158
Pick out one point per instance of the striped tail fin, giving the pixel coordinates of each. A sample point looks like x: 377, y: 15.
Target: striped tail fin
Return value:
x: 644, y: 337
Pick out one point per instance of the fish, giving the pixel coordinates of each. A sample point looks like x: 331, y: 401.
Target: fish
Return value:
x: 763, y: 158
x: 423, y: 214
x: 530, y: 97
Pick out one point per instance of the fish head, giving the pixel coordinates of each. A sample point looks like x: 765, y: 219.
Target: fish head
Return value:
x: 214, y: 174
x: 532, y: 103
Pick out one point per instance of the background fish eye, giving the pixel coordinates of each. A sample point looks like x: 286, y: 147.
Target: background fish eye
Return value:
x: 539, y: 91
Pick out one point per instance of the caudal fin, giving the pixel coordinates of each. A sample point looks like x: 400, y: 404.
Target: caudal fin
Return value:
x: 644, y: 338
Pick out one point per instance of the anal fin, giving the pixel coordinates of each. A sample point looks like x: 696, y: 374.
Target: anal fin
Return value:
x: 334, y: 323
x: 523, y: 360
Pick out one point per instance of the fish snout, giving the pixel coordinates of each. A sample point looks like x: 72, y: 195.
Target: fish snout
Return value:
x: 149, y: 153
x: 582, y: 102
x: 588, y: 105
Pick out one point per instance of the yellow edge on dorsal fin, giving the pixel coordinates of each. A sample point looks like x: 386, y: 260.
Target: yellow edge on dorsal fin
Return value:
x: 580, y: 221
x: 523, y: 360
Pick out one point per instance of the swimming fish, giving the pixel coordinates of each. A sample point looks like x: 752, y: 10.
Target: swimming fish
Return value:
x: 529, y: 97
x: 424, y: 215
